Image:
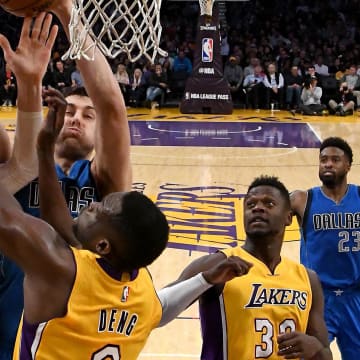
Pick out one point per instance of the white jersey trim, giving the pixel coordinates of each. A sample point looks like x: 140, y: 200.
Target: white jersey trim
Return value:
x: 224, y: 327
x: 37, y: 339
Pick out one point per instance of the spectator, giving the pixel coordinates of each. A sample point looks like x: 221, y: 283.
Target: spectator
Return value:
x: 282, y: 59
x: 353, y: 82
x: 311, y: 73
x: 233, y: 74
x: 250, y: 69
x: 182, y: 63
x: 122, y: 78
x: 224, y: 45
x: 274, y: 86
x: 311, y: 97
x: 62, y: 78
x: 76, y: 78
x: 158, y: 85
x: 294, y: 83
x: 137, y: 88
x: 8, y: 87
x: 254, y: 87
x: 320, y: 67
x: 344, y: 103
x: 337, y: 69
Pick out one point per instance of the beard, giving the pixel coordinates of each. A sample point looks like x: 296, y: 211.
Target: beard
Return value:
x: 332, y: 180
x: 72, y: 149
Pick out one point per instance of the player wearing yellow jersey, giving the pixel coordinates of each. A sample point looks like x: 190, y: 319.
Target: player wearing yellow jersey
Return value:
x: 276, y: 310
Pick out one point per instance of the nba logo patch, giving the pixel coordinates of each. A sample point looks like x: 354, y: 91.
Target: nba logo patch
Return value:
x: 207, y: 50
x: 125, y: 294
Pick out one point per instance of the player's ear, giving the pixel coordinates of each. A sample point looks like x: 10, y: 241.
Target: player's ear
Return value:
x: 289, y: 217
x: 103, y: 247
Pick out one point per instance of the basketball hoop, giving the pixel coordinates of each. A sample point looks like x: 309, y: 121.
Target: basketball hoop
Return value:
x: 115, y: 26
x: 206, y: 7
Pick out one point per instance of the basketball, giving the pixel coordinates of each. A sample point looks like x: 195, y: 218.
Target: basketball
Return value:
x: 26, y: 7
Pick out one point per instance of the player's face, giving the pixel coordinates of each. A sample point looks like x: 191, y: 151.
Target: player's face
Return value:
x: 333, y: 166
x: 265, y: 212
x: 92, y: 224
x: 88, y: 225
x: 77, y: 136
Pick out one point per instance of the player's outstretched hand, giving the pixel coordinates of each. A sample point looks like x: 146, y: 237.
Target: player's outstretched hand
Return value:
x: 226, y: 270
x: 54, y: 120
x: 30, y: 59
x: 295, y: 345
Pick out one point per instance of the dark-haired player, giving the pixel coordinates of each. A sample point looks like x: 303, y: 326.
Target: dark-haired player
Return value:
x: 276, y: 310
x: 329, y: 216
x: 95, y: 121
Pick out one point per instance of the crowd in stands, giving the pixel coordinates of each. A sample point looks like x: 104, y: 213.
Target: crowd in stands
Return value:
x: 272, y: 53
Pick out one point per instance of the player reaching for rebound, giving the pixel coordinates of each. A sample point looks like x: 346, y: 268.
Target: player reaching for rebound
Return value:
x: 28, y: 63
x: 95, y: 122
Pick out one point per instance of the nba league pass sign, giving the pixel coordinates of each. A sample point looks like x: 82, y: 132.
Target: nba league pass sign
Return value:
x: 206, y: 91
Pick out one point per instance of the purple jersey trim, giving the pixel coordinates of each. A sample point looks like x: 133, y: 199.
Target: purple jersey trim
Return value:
x: 114, y: 273
x: 27, y: 339
x: 28, y: 331
x: 211, y: 326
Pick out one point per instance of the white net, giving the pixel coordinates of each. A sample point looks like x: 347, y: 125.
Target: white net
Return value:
x: 206, y: 7
x: 115, y: 26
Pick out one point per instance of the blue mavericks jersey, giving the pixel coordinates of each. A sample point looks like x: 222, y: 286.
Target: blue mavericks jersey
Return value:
x: 11, y: 305
x: 78, y: 187
x: 330, y: 238
x: 80, y: 190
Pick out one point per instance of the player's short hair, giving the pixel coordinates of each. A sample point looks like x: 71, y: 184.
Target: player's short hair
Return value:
x: 79, y: 91
x: 338, y: 143
x: 143, y: 228
x: 273, y: 181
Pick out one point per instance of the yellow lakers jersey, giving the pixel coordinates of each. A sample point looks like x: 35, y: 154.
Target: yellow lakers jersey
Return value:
x: 243, y: 322
x: 106, y: 318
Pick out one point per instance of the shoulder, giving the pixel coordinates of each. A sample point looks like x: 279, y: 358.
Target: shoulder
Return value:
x: 298, y: 200
x: 314, y: 281
x: 234, y: 251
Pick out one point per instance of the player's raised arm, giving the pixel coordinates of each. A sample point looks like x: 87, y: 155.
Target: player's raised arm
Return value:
x: 5, y: 146
x: 53, y: 207
x: 29, y: 63
x: 111, y: 166
x: 30, y: 242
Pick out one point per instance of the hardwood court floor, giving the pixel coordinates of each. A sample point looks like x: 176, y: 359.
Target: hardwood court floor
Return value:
x: 198, y: 166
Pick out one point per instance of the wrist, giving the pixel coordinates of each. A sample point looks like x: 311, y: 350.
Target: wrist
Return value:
x: 29, y: 97
x: 319, y: 352
x: 205, y: 278
x: 46, y: 151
